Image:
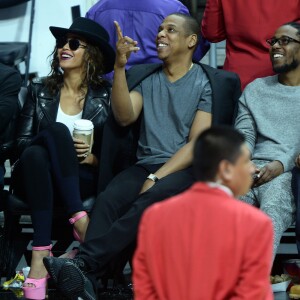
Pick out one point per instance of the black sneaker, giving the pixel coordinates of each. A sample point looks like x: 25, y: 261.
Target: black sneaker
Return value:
x: 55, y: 264
x: 73, y: 283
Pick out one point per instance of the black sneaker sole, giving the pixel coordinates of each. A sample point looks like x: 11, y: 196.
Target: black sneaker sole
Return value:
x: 52, y: 271
x: 73, y: 284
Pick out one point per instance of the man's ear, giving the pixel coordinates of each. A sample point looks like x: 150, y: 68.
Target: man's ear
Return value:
x: 192, y: 40
x: 225, y: 171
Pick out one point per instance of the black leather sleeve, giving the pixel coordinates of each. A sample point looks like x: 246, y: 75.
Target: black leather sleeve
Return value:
x: 10, y: 83
x: 25, y: 126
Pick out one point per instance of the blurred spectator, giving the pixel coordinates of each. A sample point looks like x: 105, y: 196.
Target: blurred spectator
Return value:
x: 186, y: 243
x: 10, y: 84
x: 245, y: 25
x: 139, y: 20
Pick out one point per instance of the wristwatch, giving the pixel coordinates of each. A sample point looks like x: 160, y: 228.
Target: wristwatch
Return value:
x: 152, y: 177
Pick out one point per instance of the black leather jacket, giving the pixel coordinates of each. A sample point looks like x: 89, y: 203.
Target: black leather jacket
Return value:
x: 40, y: 110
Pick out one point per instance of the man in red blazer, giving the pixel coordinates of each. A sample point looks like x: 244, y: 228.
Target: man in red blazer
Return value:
x: 245, y: 25
x: 203, y: 243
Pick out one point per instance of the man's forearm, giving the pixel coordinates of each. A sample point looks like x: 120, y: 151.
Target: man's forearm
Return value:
x: 121, y: 102
x: 184, y: 156
x: 180, y: 160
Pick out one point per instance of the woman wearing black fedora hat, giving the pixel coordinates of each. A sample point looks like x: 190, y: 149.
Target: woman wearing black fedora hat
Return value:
x: 54, y: 167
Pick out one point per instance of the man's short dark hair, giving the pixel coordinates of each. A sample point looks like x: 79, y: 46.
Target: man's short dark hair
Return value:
x: 295, y: 25
x: 191, y: 26
x: 212, y: 146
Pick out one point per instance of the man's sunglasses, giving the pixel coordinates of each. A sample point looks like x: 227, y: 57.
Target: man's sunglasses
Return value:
x: 74, y: 44
x: 282, y: 41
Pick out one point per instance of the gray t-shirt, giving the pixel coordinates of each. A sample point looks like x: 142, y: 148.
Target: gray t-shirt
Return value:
x: 168, y: 112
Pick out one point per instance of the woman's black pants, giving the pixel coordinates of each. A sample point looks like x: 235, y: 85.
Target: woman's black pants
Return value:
x: 48, y: 174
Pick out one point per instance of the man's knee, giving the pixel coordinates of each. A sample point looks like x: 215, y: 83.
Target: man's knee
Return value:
x: 281, y: 219
x: 250, y: 198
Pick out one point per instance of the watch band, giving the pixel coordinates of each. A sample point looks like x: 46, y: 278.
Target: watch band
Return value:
x: 152, y: 177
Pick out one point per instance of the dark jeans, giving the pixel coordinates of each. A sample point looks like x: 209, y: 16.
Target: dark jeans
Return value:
x: 296, y: 193
x: 115, y: 217
x: 48, y: 169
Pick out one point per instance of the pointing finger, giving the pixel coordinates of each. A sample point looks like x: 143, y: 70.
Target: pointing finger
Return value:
x: 119, y: 31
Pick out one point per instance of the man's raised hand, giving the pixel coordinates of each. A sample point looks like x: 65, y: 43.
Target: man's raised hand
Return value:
x: 125, y: 45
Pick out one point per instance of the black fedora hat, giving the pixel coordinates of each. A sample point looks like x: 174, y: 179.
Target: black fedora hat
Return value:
x: 94, y: 33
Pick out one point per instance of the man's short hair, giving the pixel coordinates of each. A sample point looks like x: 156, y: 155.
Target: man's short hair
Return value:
x: 295, y: 25
x: 191, y: 26
x: 212, y: 146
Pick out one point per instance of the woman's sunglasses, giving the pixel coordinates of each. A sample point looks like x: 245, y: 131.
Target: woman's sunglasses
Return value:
x: 74, y: 44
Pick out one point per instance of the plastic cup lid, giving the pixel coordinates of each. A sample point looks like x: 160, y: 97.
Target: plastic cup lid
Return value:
x: 83, y: 124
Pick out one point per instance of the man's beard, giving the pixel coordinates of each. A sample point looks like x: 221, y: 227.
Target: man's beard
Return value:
x: 286, y: 67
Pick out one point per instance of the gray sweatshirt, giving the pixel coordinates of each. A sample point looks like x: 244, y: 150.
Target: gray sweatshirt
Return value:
x: 269, y: 118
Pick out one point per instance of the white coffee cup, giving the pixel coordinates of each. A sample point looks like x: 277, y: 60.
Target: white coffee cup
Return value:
x: 84, y: 130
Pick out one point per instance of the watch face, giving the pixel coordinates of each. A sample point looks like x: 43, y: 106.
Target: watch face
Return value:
x: 152, y: 177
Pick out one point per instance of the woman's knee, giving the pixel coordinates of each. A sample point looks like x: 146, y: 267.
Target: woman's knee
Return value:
x: 34, y: 155
x: 58, y: 133
x: 59, y: 129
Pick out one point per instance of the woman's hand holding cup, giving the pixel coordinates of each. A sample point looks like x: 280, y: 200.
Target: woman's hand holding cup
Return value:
x: 83, y: 138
